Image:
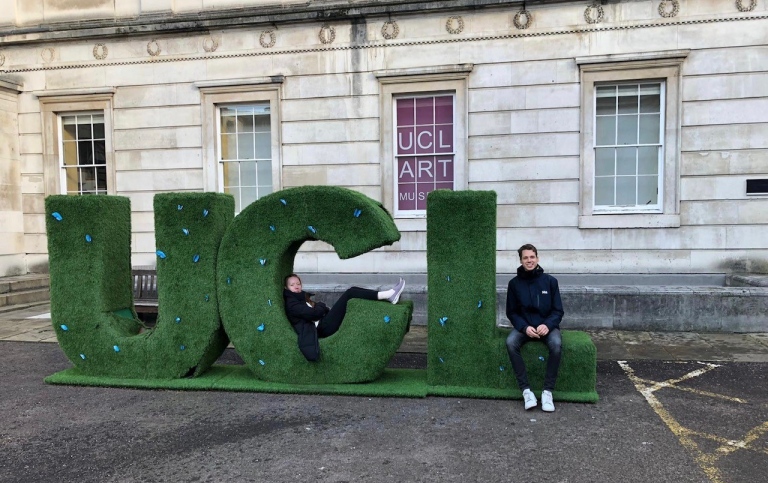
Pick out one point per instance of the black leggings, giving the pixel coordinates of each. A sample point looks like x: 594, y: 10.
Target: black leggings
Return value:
x: 332, y: 321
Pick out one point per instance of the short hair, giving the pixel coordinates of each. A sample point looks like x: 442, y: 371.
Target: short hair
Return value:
x: 290, y: 275
x: 527, y: 246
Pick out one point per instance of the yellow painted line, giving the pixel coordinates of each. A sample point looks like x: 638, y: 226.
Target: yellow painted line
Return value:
x: 753, y: 435
x: 705, y: 462
x: 655, y: 386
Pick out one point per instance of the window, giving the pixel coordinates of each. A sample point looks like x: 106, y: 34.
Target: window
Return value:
x: 424, y: 140
x: 424, y: 150
x: 83, y: 153
x: 245, y: 152
x: 78, y: 157
x: 241, y: 141
x: 630, y: 135
x: 628, y: 146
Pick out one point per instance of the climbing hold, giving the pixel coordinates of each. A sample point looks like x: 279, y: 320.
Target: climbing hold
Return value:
x: 261, y: 362
x: 261, y: 327
x: 88, y: 238
x: 179, y: 207
x: 64, y: 327
x: 205, y: 213
x: 386, y: 319
x: 161, y: 254
x: 441, y: 360
x: 207, y: 298
x: 357, y: 212
x: 196, y: 258
x: 181, y: 347
x: 285, y: 203
x: 178, y: 319
x: 116, y: 348
x: 442, y: 321
x: 56, y: 215
x: 262, y: 261
x: 312, y: 229
x: 479, y: 303
x: 229, y: 281
x: 185, y: 231
x: 82, y: 356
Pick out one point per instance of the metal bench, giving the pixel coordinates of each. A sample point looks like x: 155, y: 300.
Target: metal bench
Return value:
x: 145, y: 290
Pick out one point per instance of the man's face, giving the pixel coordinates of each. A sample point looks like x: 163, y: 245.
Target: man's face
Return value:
x: 294, y: 285
x: 529, y: 260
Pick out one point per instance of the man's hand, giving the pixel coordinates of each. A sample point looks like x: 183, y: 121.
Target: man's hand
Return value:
x: 531, y: 332
x: 542, y: 330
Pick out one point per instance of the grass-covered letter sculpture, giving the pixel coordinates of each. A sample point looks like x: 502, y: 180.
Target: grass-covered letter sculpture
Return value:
x: 258, y: 251
x: 467, y: 354
x: 89, y: 246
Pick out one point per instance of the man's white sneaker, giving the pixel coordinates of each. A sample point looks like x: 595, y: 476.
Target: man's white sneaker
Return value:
x: 546, y: 402
x: 530, y: 399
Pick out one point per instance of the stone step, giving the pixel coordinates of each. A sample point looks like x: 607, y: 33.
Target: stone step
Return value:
x: 39, y: 295
x: 20, y: 283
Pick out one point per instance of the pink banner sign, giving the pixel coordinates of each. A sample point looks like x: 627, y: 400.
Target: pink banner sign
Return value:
x: 425, y: 149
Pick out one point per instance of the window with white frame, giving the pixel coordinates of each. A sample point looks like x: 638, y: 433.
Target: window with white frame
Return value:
x: 628, y: 146
x: 82, y: 153
x: 78, y: 156
x: 245, y: 152
x: 241, y: 137
x: 630, y: 140
x: 424, y: 149
x: 424, y: 134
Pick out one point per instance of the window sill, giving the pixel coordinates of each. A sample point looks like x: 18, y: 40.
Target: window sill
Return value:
x: 411, y: 224
x: 629, y: 221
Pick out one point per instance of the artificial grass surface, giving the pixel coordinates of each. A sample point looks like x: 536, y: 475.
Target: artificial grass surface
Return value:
x: 467, y: 352
x: 258, y: 251
x: 89, y: 244
x: 392, y: 383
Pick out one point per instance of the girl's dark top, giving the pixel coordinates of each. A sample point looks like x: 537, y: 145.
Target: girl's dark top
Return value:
x: 297, y: 310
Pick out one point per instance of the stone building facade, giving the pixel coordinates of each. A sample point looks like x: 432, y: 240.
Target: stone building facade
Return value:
x: 622, y: 136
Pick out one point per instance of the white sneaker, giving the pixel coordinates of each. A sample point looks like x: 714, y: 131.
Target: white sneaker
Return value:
x: 530, y: 399
x: 546, y: 402
x: 398, y: 290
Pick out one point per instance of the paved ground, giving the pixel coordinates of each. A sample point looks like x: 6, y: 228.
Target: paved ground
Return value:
x: 660, y: 418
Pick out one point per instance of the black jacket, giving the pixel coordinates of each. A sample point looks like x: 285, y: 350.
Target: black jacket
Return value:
x: 302, y: 318
x: 533, y: 298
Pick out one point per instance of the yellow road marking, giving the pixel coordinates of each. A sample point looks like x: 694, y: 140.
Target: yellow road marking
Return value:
x: 685, y: 435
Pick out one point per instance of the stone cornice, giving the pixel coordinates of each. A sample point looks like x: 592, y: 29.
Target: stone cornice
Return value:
x: 154, y: 58
x: 309, y: 11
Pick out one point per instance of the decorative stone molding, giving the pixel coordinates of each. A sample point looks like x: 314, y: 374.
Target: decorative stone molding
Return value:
x: 48, y: 54
x: 518, y: 19
x: 272, y: 39
x: 327, y: 38
x: 597, y: 17
x: 669, y: 13
x: 153, y: 48
x: 210, y: 44
x: 742, y: 8
x: 375, y: 45
x: 459, y: 25
x: 390, y: 30
x: 100, y: 51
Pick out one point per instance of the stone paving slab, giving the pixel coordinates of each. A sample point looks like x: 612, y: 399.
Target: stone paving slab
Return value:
x: 30, y: 324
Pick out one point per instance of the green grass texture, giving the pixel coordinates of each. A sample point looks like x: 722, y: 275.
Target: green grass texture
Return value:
x: 258, y: 251
x: 89, y: 246
x: 466, y: 350
x: 392, y: 383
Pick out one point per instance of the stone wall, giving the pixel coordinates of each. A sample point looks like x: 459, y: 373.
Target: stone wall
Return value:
x: 11, y: 219
x: 523, y: 104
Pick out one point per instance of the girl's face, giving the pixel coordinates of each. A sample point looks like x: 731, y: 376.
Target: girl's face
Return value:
x: 294, y: 284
